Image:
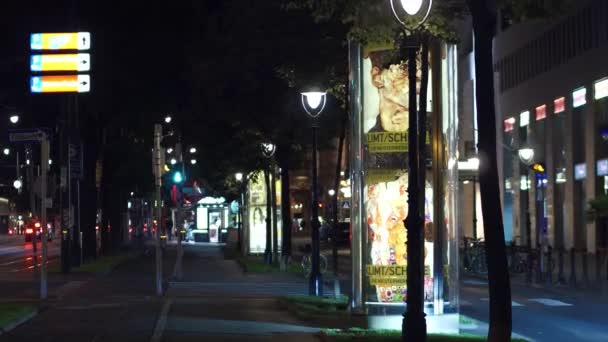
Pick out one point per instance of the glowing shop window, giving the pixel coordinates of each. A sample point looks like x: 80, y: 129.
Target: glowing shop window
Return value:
x: 524, y: 119
x: 524, y: 183
x: 602, y: 167
x: 559, y: 105
x: 541, y: 112
x: 600, y: 89
x: 509, y: 124
x: 579, y: 97
x: 580, y: 171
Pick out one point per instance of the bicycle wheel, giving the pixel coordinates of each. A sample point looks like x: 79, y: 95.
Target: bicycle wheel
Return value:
x: 306, y: 265
x: 322, y: 263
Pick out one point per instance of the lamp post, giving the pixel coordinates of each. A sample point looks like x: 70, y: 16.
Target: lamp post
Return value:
x: 268, y: 150
x: 314, y: 103
x: 412, y: 14
x: 239, y: 178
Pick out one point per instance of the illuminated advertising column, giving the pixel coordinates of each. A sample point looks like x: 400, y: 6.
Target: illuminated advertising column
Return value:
x: 379, y: 106
x: 257, y: 215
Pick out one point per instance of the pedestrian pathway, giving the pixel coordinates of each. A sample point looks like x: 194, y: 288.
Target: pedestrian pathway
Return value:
x: 216, y: 301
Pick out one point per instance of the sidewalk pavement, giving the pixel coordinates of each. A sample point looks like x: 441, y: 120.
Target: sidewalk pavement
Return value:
x: 215, y: 301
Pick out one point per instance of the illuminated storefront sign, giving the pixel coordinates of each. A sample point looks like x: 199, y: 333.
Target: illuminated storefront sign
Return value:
x: 60, y: 84
x: 61, y: 62
x: 580, y: 171
x: 60, y: 41
x: 541, y: 112
x: 509, y: 124
x: 559, y: 105
x: 600, y: 89
x: 602, y: 167
x: 579, y: 97
x: 524, y: 119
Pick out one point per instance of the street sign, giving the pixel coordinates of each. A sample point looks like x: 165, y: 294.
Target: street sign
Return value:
x: 26, y: 135
x: 60, y: 41
x: 61, y: 62
x: 60, y: 84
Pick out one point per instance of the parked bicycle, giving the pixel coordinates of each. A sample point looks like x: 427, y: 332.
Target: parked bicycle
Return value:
x: 307, y: 261
x: 474, y: 256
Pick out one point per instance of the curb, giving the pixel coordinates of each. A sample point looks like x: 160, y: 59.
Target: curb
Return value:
x: 12, y: 325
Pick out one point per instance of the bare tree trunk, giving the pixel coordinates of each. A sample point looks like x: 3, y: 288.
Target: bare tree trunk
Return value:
x: 484, y: 26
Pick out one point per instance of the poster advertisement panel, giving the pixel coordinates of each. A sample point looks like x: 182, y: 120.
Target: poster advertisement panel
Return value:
x: 257, y: 215
x: 385, y: 126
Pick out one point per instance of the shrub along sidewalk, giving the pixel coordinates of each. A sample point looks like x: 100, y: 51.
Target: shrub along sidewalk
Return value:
x: 13, y: 314
x: 392, y: 335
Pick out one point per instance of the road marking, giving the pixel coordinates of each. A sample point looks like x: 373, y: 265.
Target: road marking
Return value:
x: 474, y: 282
x: 513, y: 303
x: 162, y: 321
x: 549, y: 302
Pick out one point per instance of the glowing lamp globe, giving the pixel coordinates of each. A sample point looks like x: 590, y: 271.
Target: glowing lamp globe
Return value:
x: 314, y: 102
x: 411, y: 7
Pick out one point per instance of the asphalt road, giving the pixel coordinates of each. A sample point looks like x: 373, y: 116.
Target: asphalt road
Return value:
x: 539, y: 313
x: 18, y: 272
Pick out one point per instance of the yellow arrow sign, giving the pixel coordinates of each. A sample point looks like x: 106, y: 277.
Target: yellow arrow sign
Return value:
x: 60, y: 41
x: 61, y: 62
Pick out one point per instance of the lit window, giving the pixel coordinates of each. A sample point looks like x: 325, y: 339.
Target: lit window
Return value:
x: 602, y: 167
x: 580, y: 171
x: 600, y: 89
x: 560, y: 176
x: 559, y: 105
x: 579, y: 97
x: 541, y: 112
x: 509, y: 124
x: 524, y: 119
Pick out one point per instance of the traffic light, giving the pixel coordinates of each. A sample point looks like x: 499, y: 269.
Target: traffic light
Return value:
x: 178, y: 178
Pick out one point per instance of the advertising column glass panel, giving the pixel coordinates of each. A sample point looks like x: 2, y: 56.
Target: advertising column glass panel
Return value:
x: 384, y: 142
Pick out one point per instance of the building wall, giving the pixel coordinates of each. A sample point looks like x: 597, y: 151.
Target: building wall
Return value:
x: 536, y: 64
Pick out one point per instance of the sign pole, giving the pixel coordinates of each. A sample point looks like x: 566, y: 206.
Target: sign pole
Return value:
x: 158, y: 132
x: 44, y: 164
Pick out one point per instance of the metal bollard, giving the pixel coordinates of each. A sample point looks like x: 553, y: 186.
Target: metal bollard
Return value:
x: 560, y: 260
x: 573, y: 267
x: 549, y: 265
x: 585, y: 267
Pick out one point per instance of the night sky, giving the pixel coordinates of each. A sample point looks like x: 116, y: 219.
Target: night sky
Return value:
x: 212, y: 64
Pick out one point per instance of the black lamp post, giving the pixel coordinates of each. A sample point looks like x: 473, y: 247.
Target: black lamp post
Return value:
x: 414, y: 321
x: 314, y: 103
x: 268, y: 150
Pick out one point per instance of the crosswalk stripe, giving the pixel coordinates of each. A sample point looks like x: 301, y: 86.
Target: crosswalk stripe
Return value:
x: 549, y: 302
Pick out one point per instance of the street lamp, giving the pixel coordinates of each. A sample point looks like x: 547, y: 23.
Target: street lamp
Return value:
x: 6, y: 151
x: 268, y: 150
x: 170, y: 150
x: 331, y: 192
x: 17, y: 184
x: 193, y: 161
x: 168, y: 119
x: 173, y: 161
x: 411, y: 14
x: 526, y: 154
x: 314, y: 103
x: 192, y: 150
x: 14, y: 119
x: 239, y: 178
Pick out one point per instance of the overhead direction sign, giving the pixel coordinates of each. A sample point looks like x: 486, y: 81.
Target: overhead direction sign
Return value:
x: 27, y: 135
x: 61, y: 62
x: 61, y: 41
x: 60, y: 84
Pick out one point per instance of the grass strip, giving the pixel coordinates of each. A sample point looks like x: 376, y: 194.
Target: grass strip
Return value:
x: 10, y: 313
x: 340, y: 335
x: 255, y: 264
x: 101, y: 265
